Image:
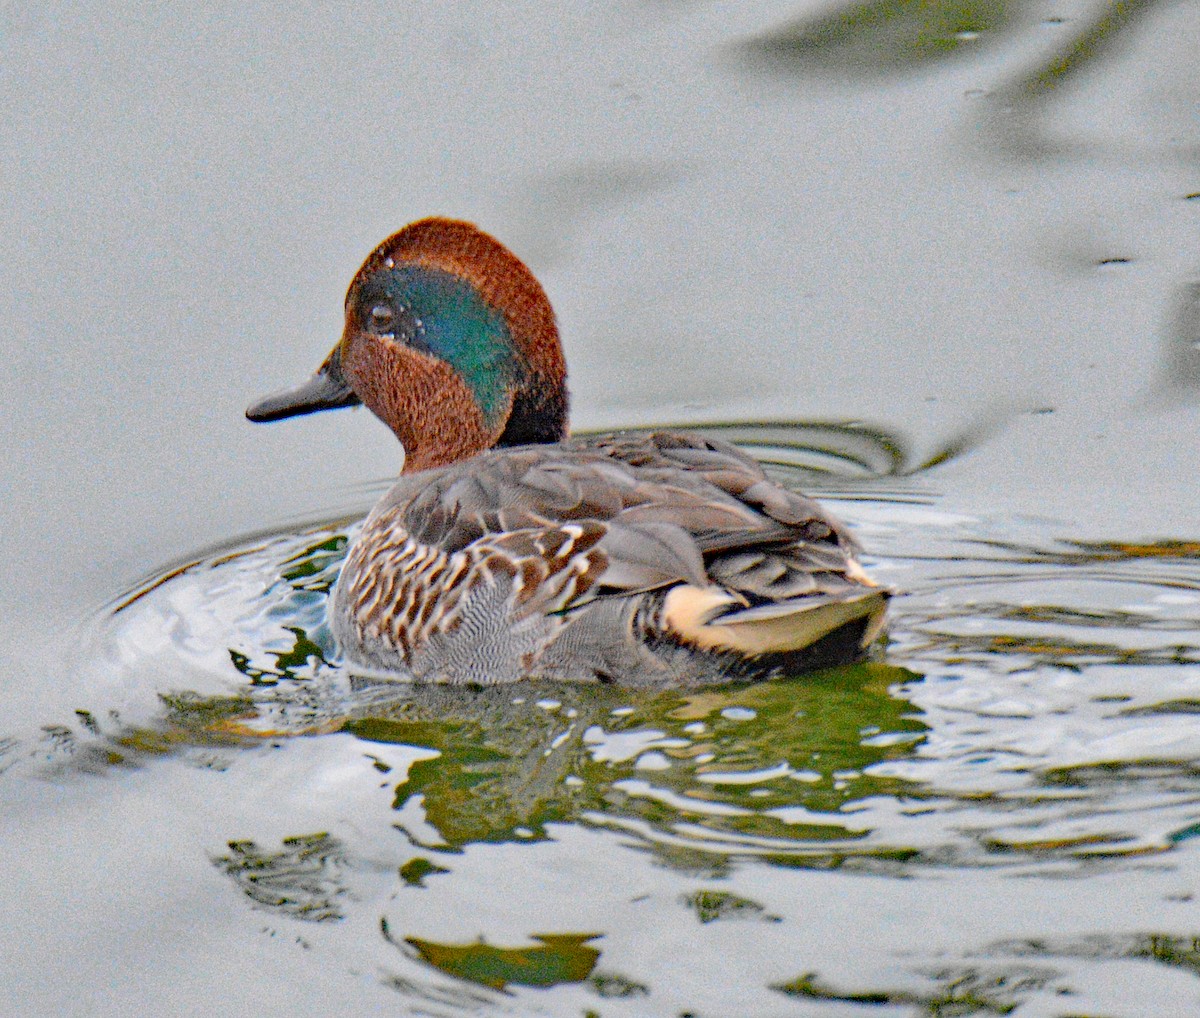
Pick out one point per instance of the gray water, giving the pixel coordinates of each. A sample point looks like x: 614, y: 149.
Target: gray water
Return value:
x: 939, y: 265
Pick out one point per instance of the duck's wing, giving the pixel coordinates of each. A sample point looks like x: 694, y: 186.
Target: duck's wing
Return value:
x: 757, y: 538
x: 627, y: 513
x: 782, y: 574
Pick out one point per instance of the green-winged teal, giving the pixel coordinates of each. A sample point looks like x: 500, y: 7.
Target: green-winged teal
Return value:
x: 508, y: 550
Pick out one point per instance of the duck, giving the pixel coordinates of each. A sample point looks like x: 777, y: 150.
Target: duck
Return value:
x: 510, y: 550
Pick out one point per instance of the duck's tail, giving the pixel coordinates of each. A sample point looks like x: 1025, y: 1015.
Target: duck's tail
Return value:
x: 715, y: 619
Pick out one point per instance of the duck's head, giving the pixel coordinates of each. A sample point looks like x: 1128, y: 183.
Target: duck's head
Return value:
x: 450, y: 341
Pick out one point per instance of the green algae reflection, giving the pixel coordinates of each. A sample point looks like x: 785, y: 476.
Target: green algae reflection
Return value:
x: 878, y: 37
x: 768, y: 768
x: 558, y: 958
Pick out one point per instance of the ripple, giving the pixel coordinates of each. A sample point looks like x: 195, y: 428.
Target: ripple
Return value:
x: 1030, y: 706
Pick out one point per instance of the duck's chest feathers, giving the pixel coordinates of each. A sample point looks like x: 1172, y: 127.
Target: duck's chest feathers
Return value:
x: 482, y: 612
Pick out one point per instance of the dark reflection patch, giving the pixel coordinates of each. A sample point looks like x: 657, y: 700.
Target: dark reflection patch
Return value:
x: 302, y: 880
x: 558, y: 958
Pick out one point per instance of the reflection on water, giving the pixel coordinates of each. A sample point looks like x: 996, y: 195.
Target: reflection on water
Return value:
x: 882, y: 37
x: 995, y: 988
x: 1092, y: 39
x: 845, y: 453
x: 958, y: 991
x: 299, y: 881
x: 878, y: 37
x: 1032, y: 633
x: 761, y: 769
x: 887, y: 38
x: 1030, y: 713
x: 559, y: 958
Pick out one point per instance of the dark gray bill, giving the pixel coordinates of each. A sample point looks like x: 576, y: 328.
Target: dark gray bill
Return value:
x: 326, y: 390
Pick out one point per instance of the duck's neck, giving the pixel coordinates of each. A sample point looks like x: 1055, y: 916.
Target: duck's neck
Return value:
x: 446, y: 429
x: 435, y: 411
x: 439, y: 424
x: 539, y: 415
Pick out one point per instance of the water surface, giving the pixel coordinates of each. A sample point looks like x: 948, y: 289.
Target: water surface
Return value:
x: 938, y: 264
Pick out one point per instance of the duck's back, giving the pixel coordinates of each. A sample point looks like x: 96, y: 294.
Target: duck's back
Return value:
x: 640, y: 558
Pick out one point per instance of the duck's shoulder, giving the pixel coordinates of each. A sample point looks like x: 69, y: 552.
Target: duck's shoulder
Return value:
x: 717, y: 494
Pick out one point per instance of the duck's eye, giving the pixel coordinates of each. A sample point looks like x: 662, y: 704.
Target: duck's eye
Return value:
x: 381, y: 317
